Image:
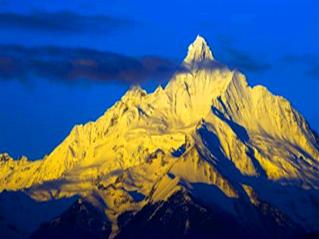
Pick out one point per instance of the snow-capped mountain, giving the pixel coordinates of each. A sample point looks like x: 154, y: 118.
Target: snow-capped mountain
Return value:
x: 206, y: 155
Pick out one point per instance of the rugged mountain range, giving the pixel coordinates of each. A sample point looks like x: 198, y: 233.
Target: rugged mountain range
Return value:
x: 208, y: 156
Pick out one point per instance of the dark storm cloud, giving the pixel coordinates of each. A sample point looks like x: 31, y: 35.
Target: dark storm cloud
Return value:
x: 65, y: 64
x: 245, y: 62
x: 65, y: 22
x: 309, y: 62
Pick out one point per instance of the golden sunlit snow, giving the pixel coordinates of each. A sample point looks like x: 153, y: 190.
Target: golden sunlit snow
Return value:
x: 206, y: 124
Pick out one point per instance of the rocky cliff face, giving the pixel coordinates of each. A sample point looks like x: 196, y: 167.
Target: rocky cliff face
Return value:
x: 208, y: 136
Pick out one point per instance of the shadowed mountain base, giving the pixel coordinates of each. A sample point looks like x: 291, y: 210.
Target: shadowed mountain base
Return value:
x: 81, y: 221
x: 184, y: 217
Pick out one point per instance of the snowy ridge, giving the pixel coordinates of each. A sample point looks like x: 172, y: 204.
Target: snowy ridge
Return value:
x: 206, y: 127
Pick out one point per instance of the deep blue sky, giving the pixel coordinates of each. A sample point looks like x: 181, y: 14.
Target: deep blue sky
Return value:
x: 274, y: 43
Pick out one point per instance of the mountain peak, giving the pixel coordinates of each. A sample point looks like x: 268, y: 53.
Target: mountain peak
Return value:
x: 198, y: 51
x: 206, y: 146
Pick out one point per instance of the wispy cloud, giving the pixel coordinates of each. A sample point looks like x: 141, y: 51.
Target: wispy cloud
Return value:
x: 309, y: 63
x: 245, y: 61
x: 65, y: 64
x: 65, y: 22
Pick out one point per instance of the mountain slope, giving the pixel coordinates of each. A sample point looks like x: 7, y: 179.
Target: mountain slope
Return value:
x: 193, y: 220
x: 81, y: 220
x: 207, y: 131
